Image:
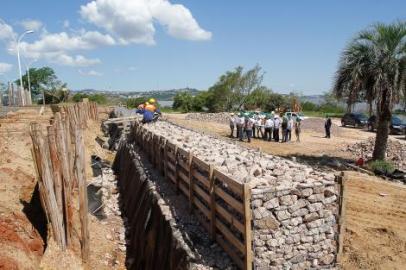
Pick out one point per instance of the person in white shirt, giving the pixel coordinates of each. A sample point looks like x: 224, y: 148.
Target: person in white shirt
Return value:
x: 232, y: 124
x: 289, y: 129
x: 258, y: 125
x: 269, y: 124
x: 240, y: 126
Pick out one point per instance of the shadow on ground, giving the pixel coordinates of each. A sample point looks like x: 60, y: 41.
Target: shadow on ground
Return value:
x: 35, y: 213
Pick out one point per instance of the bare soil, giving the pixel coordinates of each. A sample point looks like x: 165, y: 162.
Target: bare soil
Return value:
x: 23, y: 235
x: 375, y: 216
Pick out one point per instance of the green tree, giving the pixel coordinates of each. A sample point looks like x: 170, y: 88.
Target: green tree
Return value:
x: 134, y: 102
x: 45, y: 80
x: 258, y: 98
x: 183, y: 101
x: 373, y: 66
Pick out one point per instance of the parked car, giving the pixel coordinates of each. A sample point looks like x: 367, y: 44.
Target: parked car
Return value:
x: 396, y: 125
x: 295, y: 114
x: 354, y: 119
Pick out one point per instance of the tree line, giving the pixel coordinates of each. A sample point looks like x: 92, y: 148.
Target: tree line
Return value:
x: 243, y: 90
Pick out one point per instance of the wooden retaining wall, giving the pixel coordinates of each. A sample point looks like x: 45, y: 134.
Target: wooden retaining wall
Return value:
x: 221, y: 203
x: 59, y: 158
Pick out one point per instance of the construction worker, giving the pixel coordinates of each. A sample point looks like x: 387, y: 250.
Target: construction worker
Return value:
x: 149, y: 111
x: 150, y: 105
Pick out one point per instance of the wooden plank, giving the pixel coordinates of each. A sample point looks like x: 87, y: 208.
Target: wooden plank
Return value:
x: 200, y: 163
x: 183, y: 164
x: 171, y: 176
x: 230, y: 200
x: 171, y: 167
x: 230, y: 237
x: 248, y: 258
x: 212, y: 203
x: 202, y: 208
x: 342, y: 181
x: 230, y: 251
x: 184, y: 189
x: 229, y: 218
x: 232, y: 184
x: 183, y: 152
x: 201, y: 178
x: 202, y: 193
x: 170, y: 145
x: 183, y: 177
x: 83, y: 207
x: 57, y: 178
x: 171, y: 156
x: 191, y: 182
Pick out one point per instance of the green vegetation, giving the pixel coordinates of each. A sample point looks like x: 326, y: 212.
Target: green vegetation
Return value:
x: 373, y: 69
x: 44, y: 80
x: 134, y: 102
x: 381, y: 165
x: 98, y: 98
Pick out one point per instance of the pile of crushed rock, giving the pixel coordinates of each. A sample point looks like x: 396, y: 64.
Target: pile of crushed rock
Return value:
x: 221, y: 118
x: 242, y: 164
x: 396, y: 151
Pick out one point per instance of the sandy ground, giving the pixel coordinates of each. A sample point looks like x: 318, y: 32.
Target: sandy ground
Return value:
x: 375, y: 216
x: 25, y: 248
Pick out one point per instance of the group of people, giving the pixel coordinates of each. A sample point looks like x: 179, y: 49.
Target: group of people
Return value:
x: 272, y: 127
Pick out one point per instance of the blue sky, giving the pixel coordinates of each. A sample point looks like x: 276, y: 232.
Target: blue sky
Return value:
x: 143, y: 45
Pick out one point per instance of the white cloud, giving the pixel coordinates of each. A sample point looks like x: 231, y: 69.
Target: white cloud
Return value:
x: 66, y: 24
x: 6, y: 31
x: 5, y: 67
x: 133, y: 21
x: 132, y: 68
x: 74, y: 61
x: 90, y: 73
x: 65, y: 42
x: 29, y: 24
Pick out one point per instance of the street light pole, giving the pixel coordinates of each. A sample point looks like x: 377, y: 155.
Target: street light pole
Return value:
x: 27, y: 67
x: 19, y: 62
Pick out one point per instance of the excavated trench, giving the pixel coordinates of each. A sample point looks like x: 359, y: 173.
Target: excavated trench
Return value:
x: 161, y: 233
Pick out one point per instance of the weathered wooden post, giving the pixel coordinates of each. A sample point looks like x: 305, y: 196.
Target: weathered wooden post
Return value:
x: 81, y: 178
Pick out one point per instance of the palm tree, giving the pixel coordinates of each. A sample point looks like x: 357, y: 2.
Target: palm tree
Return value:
x: 373, y: 68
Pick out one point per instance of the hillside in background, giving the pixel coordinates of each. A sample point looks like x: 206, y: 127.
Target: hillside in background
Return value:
x: 158, y: 94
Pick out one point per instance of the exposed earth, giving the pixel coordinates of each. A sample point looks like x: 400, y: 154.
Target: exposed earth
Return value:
x: 375, y: 214
x: 24, y: 242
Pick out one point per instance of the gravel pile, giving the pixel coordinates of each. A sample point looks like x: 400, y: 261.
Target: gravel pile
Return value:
x: 110, y: 207
x: 222, y: 118
x: 242, y: 164
x: 396, y: 151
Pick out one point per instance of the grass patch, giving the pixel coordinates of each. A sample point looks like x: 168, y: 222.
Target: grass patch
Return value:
x: 381, y: 165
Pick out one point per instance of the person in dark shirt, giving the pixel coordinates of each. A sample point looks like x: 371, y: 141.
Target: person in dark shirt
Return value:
x: 327, y: 126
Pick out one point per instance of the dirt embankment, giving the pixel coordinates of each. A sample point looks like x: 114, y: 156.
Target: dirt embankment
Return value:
x: 22, y: 223
x: 24, y: 242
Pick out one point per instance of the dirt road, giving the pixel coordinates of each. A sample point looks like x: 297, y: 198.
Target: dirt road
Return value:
x: 376, y: 209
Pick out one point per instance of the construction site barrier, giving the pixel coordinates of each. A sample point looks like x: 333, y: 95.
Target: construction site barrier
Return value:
x: 221, y: 203
x: 59, y: 157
